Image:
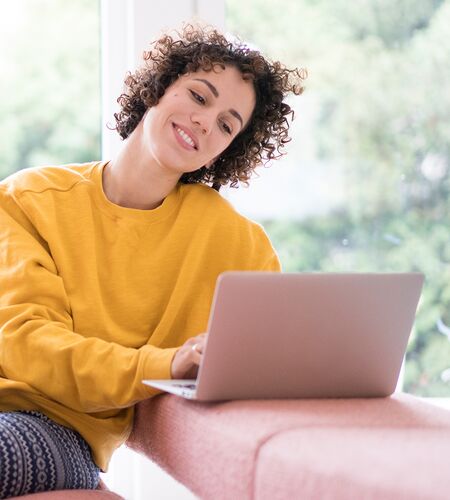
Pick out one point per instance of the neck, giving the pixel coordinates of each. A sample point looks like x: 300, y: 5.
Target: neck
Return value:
x: 133, y: 180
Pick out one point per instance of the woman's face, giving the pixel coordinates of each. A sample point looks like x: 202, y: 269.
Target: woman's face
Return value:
x: 197, y: 118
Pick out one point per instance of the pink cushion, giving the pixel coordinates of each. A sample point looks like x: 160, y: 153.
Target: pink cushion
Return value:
x: 340, y: 463
x: 224, y: 450
x: 72, y: 495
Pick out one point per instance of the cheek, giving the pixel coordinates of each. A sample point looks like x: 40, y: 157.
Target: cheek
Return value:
x: 225, y: 140
x: 219, y: 147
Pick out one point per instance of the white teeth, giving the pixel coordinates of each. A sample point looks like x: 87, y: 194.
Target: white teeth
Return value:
x: 185, y: 137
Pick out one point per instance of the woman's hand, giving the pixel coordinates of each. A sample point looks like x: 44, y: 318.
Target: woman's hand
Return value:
x: 186, y: 361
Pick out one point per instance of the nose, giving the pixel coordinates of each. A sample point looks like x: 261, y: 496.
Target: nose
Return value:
x: 203, y: 121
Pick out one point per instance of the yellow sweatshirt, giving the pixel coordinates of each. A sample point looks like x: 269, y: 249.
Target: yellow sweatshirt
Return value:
x: 95, y: 297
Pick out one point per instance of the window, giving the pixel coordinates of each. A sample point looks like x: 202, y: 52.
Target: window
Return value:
x: 365, y: 186
x: 50, y: 84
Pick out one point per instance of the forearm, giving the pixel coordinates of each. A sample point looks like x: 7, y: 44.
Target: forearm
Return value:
x: 86, y: 374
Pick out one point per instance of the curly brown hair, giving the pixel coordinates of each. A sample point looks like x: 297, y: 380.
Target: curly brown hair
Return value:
x: 195, y: 48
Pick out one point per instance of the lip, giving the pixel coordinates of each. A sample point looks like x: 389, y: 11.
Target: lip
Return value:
x: 187, y: 132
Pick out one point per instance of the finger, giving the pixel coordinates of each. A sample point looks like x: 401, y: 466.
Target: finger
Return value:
x: 192, y: 373
x: 190, y: 342
x: 196, y: 348
x: 201, y: 340
x: 196, y: 339
x: 196, y: 357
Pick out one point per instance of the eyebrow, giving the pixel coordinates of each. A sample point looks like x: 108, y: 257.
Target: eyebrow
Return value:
x: 216, y: 94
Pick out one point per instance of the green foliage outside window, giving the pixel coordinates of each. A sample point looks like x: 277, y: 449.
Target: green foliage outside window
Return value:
x: 50, y: 83
x: 379, y: 78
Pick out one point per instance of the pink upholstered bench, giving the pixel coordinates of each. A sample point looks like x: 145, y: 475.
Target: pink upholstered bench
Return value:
x: 390, y: 448
x: 72, y: 495
x: 101, y: 494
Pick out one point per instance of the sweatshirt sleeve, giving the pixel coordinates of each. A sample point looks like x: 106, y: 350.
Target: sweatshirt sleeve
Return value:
x: 37, y: 343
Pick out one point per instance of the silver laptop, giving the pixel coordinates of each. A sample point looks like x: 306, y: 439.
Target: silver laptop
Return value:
x: 303, y: 335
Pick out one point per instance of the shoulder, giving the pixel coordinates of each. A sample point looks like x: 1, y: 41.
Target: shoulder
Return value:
x: 204, y: 195
x: 212, y: 210
x: 211, y: 205
x: 45, y: 178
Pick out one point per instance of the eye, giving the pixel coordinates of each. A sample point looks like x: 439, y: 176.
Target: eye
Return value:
x: 198, y: 97
x: 226, y: 128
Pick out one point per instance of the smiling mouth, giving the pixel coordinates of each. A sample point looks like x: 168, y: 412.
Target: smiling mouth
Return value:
x: 184, y: 136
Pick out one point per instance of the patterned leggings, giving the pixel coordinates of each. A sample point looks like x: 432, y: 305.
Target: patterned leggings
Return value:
x: 37, y: 454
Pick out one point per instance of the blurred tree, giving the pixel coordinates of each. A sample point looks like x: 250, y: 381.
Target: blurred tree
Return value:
x: 50, y: 84
x: 378, y: 74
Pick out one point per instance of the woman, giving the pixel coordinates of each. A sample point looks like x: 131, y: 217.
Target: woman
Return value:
x: 108, y: 269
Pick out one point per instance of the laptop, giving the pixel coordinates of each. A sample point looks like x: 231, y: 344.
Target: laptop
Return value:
x: 303, y: 335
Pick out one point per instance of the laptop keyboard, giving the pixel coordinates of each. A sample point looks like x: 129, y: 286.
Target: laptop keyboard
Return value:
x: 186, y: 386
